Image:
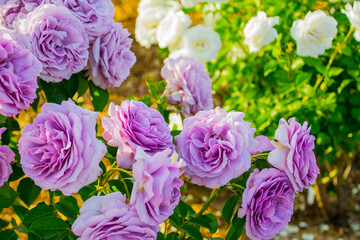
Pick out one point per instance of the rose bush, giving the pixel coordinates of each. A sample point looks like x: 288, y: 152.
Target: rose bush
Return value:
x: 261, y: 65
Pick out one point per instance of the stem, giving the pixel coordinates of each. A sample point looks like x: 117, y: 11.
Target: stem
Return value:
x: 121, y: 170
x: 213, y: 195
x: 339, y: 47
x: 260, y: 155
x: 333, y: 55
x: 237, y: 185
x: 290, y: 71
x: 126, y: 188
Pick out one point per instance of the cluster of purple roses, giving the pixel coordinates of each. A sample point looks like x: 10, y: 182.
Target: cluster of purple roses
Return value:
x: 60, y: 151
x: 54, y: 39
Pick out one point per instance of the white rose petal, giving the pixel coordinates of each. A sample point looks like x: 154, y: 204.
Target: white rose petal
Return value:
x: 314, y: 34
x: 199, y: 42
x: 171, y: 28
x: 168, y: 4
x: 353, y: 14
x: 259, y: 31
x: 146, y: 25
x: 189, y: 3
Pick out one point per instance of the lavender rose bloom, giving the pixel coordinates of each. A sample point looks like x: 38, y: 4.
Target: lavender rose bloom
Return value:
x: 12, y: 11
x: 132, y: 125
x: 6, y: 157
x: 59, y: 150
x: 294, y: 153
x: 58, y: 40
x: 156, y: 191
x: 19, y: 70
x: 188, y: 84
x: 109, y: 217
x: 111, y: 58
x: 96, y: 15
x: 215, y: 146
x: 268, y: 203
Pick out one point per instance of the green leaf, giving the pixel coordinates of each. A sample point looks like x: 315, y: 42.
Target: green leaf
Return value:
x: 99, y: 97
x: 3, y: 223
x: 175, y: 220
x: 343, y: 84
x: 160, y: 236
x: 236, y: 229
x: 270, y: 67
x: 40, y: 211
x: 2, y: 119
x: 208, y: 221
x: 20, y: 211
x: 181, y: 209
x: 83, y: 86
x: 72, y: 85
x: 69, y: 207
x: 28, y: 191
x: 86, y: 191
x: 53, y: 92
x: 35, y: 103
x: 335, y: 71
x: 49, y: 228
x: 119, y: 185
x: 153, y: 89
x: 228, y: 209
x: 8, y: 234
x: 7, y: 196
x: 17, y: 172
x: 192, y: 231
x: 302, y: 77
x: 172, y: 236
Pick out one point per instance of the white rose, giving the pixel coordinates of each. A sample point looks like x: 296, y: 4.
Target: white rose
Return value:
x: 199, y: 42
x: 169, y: 5
x: 189, y: 3
x: 353, y: 14
x: 260, y: 31
x: 146, y: 25
x: 171, y: 28
x: 314, y: 34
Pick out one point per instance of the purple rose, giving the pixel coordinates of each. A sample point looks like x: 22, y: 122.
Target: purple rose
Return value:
x: 12, y: 11
x: 109, y: 217
x: 156, y: 191
x: 215, y: 146
x: 19, y: 70
x: 188, y: 84
x: 6, y: 157
x: 132, y: 125
x: 59, y: 150
x: 57, y: 39
x: 294, y: 153
x: 267, y: 202
x: 96, y: 15
x: 111, y: 58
